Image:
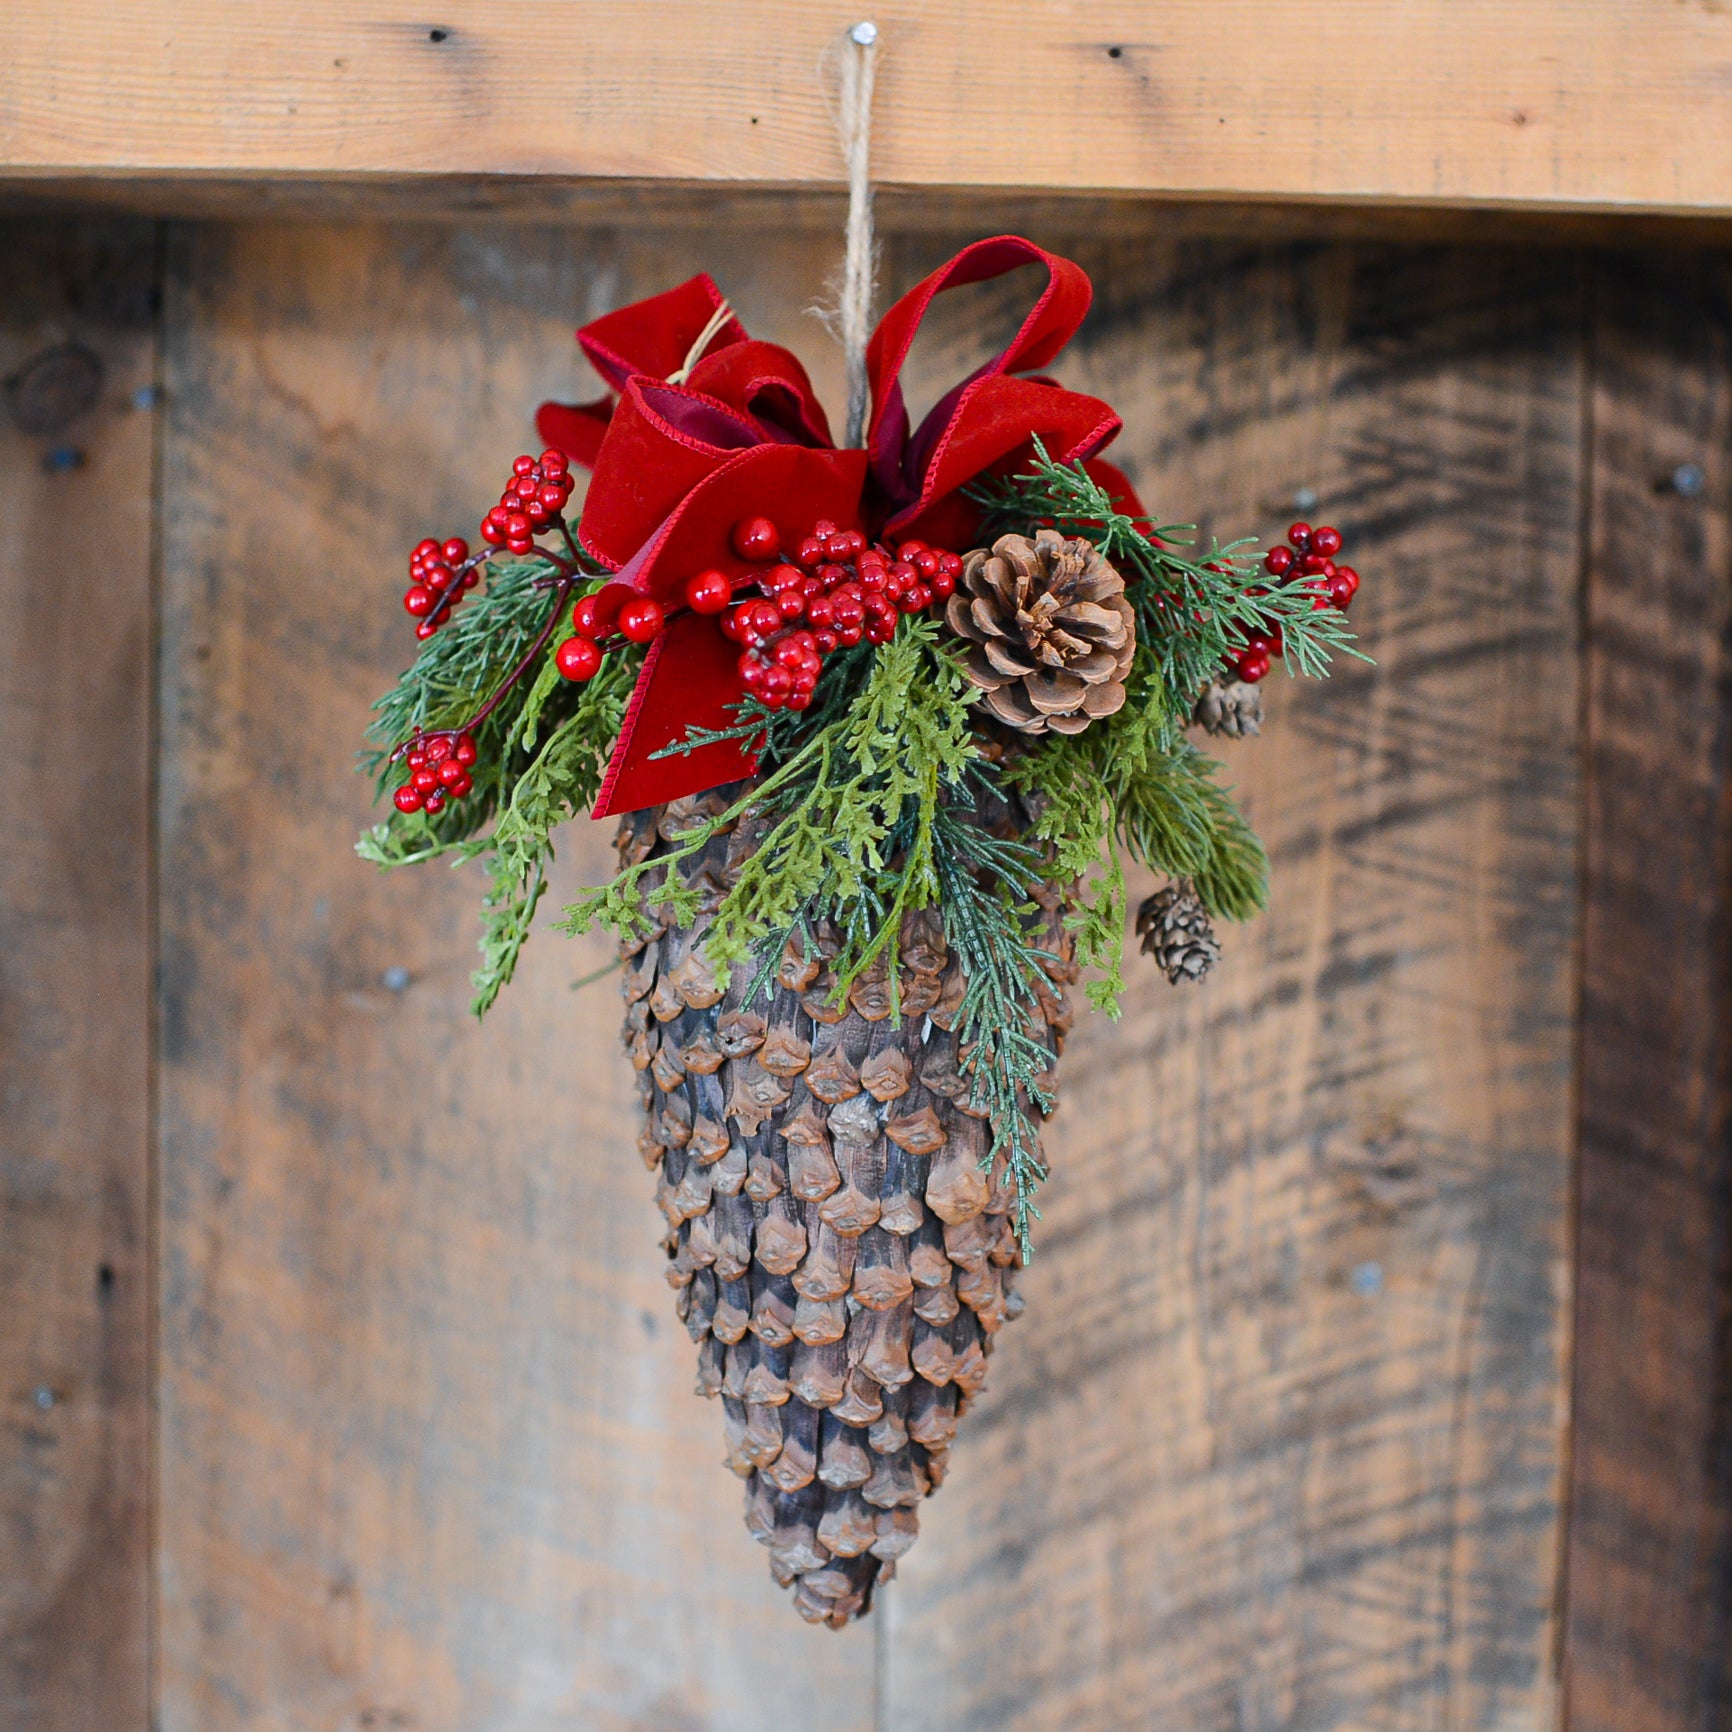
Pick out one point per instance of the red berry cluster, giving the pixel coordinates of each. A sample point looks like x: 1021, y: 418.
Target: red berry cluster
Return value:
x: 834, y: 589
x: 534, y: 497
x: 439, y: 766
x: 438, y: 574
x: 1309, y: 559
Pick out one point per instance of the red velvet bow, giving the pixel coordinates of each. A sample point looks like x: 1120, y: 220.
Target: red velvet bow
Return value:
x: 677, y: 466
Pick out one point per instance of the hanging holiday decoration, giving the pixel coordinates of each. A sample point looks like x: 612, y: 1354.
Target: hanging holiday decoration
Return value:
x: 881, y: 726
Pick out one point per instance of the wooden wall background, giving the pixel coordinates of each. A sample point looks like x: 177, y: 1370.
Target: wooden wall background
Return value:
x: 1377, y: 1371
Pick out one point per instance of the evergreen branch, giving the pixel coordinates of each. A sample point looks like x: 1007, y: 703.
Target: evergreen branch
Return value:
x: 1193, y: 615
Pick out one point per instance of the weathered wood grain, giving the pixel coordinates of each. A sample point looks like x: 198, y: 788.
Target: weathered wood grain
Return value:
x: 1649, y: 1630
x: 1555, y: 103
x: 1282, y: 1443
x: 75, y: 941
x: 430, y: 1452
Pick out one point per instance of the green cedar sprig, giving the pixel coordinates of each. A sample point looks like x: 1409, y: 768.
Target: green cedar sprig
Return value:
x: 526, y: 784
x: 851, y: 810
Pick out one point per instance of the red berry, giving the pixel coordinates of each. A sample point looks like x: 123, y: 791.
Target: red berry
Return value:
x: 428, y: 549
x: 407, y: 798
x: 790, y: 604
x: 918, y: 598
x: 709, y: 592
x: 426, y: 779
x: 492, y: 531
x: 1326, y: 541
x: 436, y: 801
x: 951, y: 565
x: 942, y: 584
x: 471, y: 577
x: 1300, y: 535
x: 850, y: 609
x: 811, y: 552
x: 415, y: 760
x: 455, y: 551
x: 517, y: 526
x: 896, y: 586
x: 1312, y: 564
x: 781, y: 577
x: 1252, y: 668
x: 1278, y: 561
x: 464, y: 750
x: 640, y: 619
x: 450, y: 772
x: 788, y: 654
x: 823, y: 527
x: 425, y: 629
x: 821, y: 610
x: 554, y: 461
x: 577, y: 659
x: 1339, y: 591
x: 462, y: 786
x: 756, y: 538
x: 519, y: 543
x: 438, y: 749
x: 522, y: 465
x: 587, y: 618
x: 777, y: 683
x: 763, y: 617
x: 419, y: 600
x: 825, y: 641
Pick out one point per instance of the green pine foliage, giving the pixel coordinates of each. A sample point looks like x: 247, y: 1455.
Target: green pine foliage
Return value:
x: 871, y: 801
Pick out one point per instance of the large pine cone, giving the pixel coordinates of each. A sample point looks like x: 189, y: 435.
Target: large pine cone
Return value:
x: 1052, y: 635
x: 838, y: 1250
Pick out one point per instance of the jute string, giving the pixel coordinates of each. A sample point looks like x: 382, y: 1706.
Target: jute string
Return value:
x: 859, y: 62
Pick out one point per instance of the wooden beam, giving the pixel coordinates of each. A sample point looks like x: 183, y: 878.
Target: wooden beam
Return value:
x: 1608, y: 105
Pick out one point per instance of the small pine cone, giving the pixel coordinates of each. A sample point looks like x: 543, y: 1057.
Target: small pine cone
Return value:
x: 1231, y: 707
x: 1176, y: 931
x: 1050, y: 631
x: 838, y: 1252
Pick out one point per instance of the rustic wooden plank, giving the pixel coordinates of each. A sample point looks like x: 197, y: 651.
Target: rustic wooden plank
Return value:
x: 1612, y: 104
x: 1280, y: 1443
x: 430, y: 1452
x: 1650, y: 1559
x: 75, y: 949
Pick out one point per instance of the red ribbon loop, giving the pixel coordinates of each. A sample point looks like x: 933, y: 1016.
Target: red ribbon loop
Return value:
x: 985, y: 424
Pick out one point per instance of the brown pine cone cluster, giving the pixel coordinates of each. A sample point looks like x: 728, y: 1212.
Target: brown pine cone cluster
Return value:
x: 838, y: 1251
x: 1177, y: 932
x: 1050, y: 630
x: 1231, y: 707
